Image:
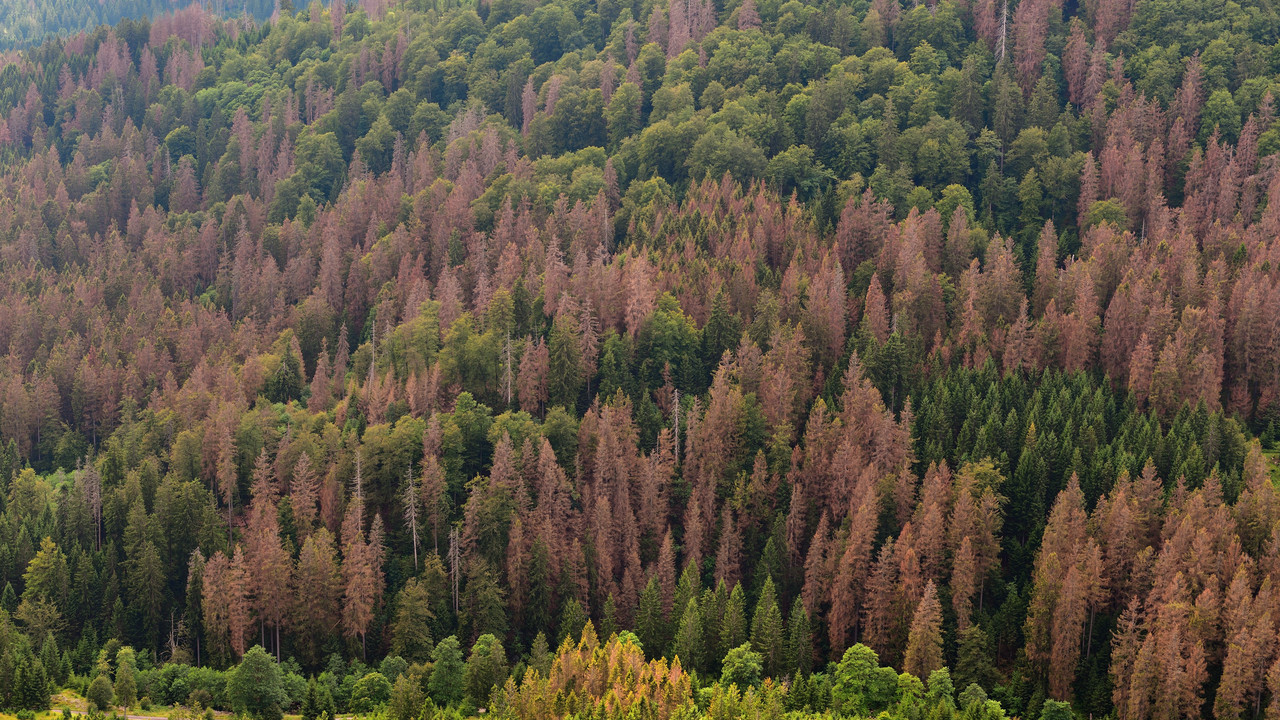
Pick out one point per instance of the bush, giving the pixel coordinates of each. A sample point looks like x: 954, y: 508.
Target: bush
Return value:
x: 200, y: 698
x: 212, y: 682
x: 99, y: 693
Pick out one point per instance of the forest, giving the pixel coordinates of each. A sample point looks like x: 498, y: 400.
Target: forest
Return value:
x: 25, y: 23
x: 669, y: 359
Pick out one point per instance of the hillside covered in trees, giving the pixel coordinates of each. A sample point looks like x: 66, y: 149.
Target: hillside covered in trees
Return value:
x: 645, y: 359
x: 28, y: 22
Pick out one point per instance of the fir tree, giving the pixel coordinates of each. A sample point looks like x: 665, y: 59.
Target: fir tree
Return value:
x: 767, y: 631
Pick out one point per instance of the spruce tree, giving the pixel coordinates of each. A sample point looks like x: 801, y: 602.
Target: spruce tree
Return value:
x: 651, y: 621
x: 973, y: 659
x: 799, y: 639
x: 767, y: 631
x: 609, y: 623
x: 50, y: 658
x: 572, y: 620
x: 310, y: 709
x: 733, y: 624
x: 924, y: 643
x: 688, y: 640
x: 540, y: 654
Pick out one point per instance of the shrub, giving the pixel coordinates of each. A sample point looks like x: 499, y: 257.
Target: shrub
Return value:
x: 99, y: 693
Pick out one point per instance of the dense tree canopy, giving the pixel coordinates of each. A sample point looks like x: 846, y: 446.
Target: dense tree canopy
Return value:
x: 421, y: 355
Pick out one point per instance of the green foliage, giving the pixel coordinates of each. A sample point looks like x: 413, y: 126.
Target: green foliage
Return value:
x: 407, y: 698
x: 486, y: 669
x: 379, y: 193
x: 256, y: 686
x: 311, y: 709
x: 370, y: 692
x: 126, y: 686
x: 741, y: 667
x: 448, y: 684
x: 100, y: 693
x: 1056, y: 710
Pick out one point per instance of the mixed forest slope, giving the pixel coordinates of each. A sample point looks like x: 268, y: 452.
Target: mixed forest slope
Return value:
x: 655, y: 351
x: 28, y: 22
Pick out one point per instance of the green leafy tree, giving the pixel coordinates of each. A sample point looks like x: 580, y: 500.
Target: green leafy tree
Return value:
x: 100, y: 692
x: 406, y: 698
x: 370, y: 692
x: 486, y: 668
x: 741, y: 667
x: 447, y: 684
x: 720, y: 150
x: 853, y: 679
x: 255, y: 687
x: 318, y: 159
x: 1056, y: 710
x: 126, y: 686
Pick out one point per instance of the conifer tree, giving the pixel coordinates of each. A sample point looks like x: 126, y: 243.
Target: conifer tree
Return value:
x: 767, y: 631
x: 924, y: 643
x: 733, y: 623
x: 688, y: 645
x: 799, y: 639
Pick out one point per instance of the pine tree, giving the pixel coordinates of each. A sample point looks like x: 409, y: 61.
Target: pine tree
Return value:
x: 239, y: 608
x: 268, y: 562
x: 319, y: 591
x: 973, y: 659
x: 799, y: 640
x: 924, y: 643
x: 733, y: 624
x: 963, y: 584
x: 563, y: 363
x: 359, y: 573
x: 687, y: 644
x: 767, y: 632
x: 411, y: 629
x: 433, y: 495
x: 729, y: 556
x: 572, y: 620
x: 540, y: 655
x: 311, y: 702
x: 877, y: 617
x: 227, y: 474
